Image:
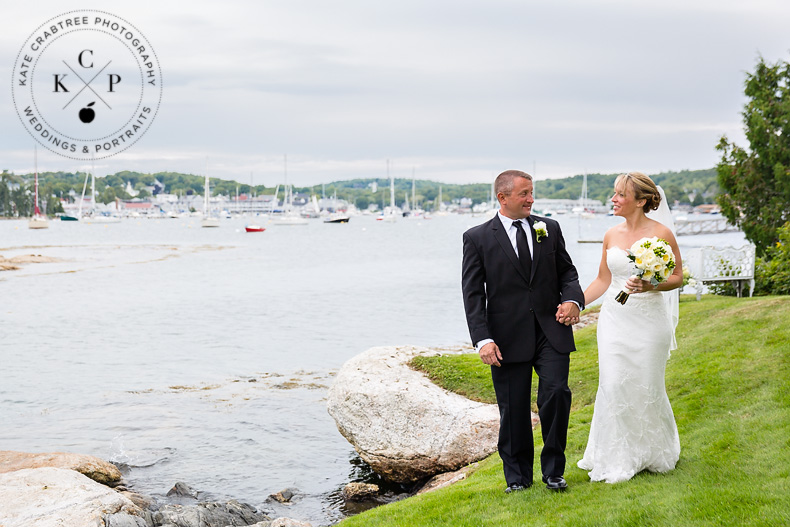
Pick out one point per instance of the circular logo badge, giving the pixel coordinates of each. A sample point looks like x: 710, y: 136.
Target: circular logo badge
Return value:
x: 87, y: 84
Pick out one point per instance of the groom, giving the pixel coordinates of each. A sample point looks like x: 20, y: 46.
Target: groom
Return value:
x: 521, y: 296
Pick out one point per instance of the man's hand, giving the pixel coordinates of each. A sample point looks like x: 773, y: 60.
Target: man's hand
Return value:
x: 567, y: 313
x: 490, y: 354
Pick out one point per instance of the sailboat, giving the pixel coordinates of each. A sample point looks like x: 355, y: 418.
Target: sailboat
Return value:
x: 38, y: 221
x: 417, y: 212
x: 440, y: 208
x: 94, y: 217
x: 390, y: 214
x: 289, y: 216
x: 581, y: 210
x: 337, y: 216
x: 208, y: 220
x: 494, y: 203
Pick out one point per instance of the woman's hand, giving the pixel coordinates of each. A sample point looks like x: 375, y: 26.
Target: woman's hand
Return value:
x: 637, y: 285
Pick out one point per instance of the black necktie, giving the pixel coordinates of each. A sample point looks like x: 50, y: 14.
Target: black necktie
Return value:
x: 523, y: 249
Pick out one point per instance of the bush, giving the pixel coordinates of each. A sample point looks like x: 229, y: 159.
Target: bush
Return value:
x: 772, y: 273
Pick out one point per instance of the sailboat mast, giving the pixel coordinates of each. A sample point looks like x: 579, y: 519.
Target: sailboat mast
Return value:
x: 93, y: 186
x: 583, y: 197
x: 392, y: 186
x: 36, y: 210
x: 82, y: 197
x: 413, y: 195
x: 206, y: 190
x: 287, y: 198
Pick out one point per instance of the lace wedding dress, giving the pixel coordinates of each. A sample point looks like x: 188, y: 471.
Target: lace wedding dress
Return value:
x: 633, y: 428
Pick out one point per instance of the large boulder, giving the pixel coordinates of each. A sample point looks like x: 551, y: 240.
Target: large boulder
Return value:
x: 404, y: 426
x: 50, y: 497
x: 90, y: 466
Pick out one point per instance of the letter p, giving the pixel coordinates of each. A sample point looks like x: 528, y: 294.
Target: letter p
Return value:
x: 114, y: 79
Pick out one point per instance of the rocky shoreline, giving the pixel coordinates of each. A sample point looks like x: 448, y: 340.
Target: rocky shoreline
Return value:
x: 408, y: 430
x: 64, y: 489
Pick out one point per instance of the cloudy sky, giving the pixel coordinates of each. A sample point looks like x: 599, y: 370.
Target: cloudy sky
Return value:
x: 453, y: 91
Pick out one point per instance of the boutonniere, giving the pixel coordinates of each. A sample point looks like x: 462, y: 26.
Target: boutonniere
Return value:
x: 540, y: 231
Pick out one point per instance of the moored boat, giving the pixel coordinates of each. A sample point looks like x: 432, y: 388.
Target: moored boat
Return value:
x: 337, y: 217
x: 38, y: 221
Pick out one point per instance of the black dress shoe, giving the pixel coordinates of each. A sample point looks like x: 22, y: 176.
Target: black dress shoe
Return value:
x: 516, y: 487
x: 555, y: 482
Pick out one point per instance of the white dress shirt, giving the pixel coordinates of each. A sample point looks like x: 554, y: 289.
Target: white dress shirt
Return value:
x: 511, y: 230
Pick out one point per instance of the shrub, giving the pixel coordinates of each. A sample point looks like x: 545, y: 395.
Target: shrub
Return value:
x: 772, y: 273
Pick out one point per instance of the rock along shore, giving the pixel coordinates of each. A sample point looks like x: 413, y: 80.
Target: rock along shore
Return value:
x: 406, y: 427
x: 403, y: 425
x: 74, y: 490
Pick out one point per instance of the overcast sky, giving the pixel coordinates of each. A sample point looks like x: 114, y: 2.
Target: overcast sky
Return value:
x: 453, y: 91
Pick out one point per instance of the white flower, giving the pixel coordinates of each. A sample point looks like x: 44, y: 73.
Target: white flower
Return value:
x: 640, y: 252
x: 654, y: 262
x: 540, y: 230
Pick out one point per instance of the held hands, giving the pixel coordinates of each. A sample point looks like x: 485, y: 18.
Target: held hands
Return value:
x: 567, y: 313
x: 490, y: 354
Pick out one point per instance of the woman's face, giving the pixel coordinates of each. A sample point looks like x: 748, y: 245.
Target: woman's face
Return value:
x: 623, y: 200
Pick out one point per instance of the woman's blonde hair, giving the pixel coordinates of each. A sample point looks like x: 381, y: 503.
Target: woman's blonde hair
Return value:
x: 643, y: 188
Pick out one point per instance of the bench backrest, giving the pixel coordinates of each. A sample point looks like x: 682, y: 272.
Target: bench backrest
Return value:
x: 728, y: 263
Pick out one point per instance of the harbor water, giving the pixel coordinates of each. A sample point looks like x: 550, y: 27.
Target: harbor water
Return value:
x: 205, y: 355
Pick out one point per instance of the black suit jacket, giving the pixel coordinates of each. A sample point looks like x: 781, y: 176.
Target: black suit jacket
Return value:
x: 503, y: 304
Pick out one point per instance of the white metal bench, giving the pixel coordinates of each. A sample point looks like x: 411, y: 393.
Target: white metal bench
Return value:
x: 727, y: 264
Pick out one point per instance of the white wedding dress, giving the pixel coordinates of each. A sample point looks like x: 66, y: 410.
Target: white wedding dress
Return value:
x: 633, y: 428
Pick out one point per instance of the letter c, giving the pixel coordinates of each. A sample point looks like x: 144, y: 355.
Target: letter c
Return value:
x: 79, y: 58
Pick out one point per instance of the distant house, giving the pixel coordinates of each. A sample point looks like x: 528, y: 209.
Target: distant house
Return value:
x: 130, y: 190
x: 143, y: 207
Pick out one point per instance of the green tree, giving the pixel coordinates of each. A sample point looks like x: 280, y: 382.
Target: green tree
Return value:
x: 107, y: 195
x: 756, y: 183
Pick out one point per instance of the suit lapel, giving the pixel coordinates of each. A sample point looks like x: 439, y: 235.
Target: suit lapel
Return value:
x: 504, y: 242
x: 535, y: 247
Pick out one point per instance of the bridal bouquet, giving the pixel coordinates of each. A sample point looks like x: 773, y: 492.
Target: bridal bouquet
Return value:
x: 654, y: 261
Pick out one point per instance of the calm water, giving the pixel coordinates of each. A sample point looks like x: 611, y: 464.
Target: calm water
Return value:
x: 204, y: 355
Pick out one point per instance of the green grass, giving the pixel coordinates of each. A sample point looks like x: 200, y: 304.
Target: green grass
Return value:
x: 729, y: 384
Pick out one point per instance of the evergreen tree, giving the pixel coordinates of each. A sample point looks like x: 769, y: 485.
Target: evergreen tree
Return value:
x: 755, y: 184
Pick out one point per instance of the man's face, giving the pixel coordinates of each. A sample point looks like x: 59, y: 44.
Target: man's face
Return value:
x: 518, y: 204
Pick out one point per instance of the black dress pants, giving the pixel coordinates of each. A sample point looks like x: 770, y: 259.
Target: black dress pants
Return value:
x: 513, y: 387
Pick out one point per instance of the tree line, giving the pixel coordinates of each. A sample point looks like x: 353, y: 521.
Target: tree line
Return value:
x: 16, y: 191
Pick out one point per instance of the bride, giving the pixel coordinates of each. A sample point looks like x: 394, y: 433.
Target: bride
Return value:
x: 633, y: 428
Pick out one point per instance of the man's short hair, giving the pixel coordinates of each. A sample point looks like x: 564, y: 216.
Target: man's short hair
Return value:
x: 504, y: 181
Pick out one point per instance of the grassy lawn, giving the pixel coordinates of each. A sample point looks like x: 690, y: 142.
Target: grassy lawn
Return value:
x: 729, y: 384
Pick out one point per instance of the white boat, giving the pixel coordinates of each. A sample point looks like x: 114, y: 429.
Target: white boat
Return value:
x: 94, y: 216
x: 208, y: 220
x: 312, y: 211
x: 582, y: 211
x: 100, y: 219
x: 390, y: 214
x: 38, y: 221
x: 289, y: 219
x: 289, y: 215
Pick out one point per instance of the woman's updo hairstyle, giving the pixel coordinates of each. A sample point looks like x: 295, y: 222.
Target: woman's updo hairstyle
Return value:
x: 643, y: 188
